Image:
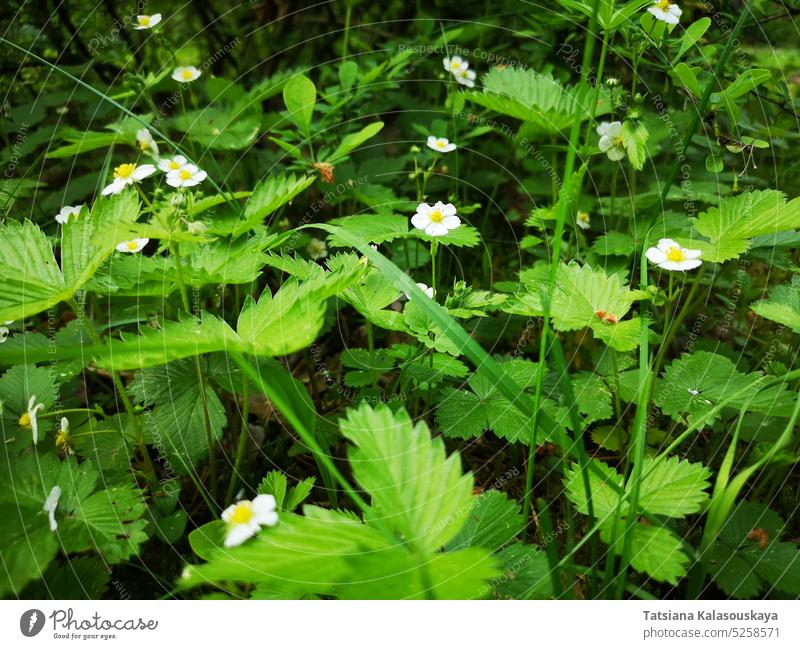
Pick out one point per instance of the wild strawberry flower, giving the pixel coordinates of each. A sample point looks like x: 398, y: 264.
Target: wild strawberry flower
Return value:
x: 436, y: 220
x: 246, y: 517
x: 187, y: 176
x: 317, y: 249
x: 611, y: 140
x: 440, y: 144
x: 670, y: 255
x: 67, y: 211
x: 134, y: 245
x: 185, y: 74
x: 146, y: 142
x: 583, y: 220
x: 4, y: 331
x: 147, y: 22
x: 424, y: 288
x: 127, y: 174
x: 612, y: 81
x: 28, y: 418
x: 174, y: 163
x: 454, y: 64
x: 466, y: 77
x: 50, y: 506
x: 665, y: 11
x: 63, y: 442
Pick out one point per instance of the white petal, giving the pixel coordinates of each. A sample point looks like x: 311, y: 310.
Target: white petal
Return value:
x: 143, y: 171
x: 267, y: 519
x: 436, y: 229
x: 423, y: 208
x: 665, y: 244
x: 675, y: 10
x: 420, y: 221
x: 614, y: 129
x: 264, y: 503
x: 451, y: 222
x: 602, y: 128
x: 238, y: 534
x: 446, y: 209
x: 605, y: 143
x: 655, y: 255
x: 114, y: 188
x: 200, y: 176
x: 615, y: 153
x: 692, y: 254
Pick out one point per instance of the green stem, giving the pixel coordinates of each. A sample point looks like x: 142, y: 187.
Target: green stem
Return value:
x: 569, y: 165
x: 244, y: 436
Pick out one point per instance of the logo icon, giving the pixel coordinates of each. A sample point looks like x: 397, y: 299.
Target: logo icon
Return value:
x: 31, y: 622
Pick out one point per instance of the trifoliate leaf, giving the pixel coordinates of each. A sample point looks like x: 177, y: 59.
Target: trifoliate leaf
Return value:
x: 673, y: 487
x: 494, y: 520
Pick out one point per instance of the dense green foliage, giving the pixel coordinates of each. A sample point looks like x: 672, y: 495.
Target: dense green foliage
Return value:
x: 373, y: 301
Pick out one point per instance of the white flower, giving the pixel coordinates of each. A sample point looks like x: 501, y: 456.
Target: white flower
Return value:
x: 666, y: 12
x: 317, y: 249
x: 28, y: 418
x: 146, y: 142
x: 612, y: 81
x: 174, y: 163
x: 611, y: 140
x: 68, y: 211
x: 134, y: 245
x: 246, y: 518
x: 424, y: 288
x: 186, y: 74
x: 147, y: 22
x: 583, y: 220
x: 466, y: 77
x: 128, y: 174
x: 440, y: 144
x: 436, y: 220
x: 50, y: 506
x: 187, y: 176
x: 454, y: 64
x: 693, y: 391
x: 4, y: 331
x: 669, y: 255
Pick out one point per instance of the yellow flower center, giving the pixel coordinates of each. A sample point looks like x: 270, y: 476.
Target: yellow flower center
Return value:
x: 144, y: 145
x: 132, y: 245
x: 436, y: 216
x: 583, y: 216
x: 186, y: 74
x: 675, y: 254
x: 441, y: 144
x: 25, y: 420
x: 184, y: 174
x: 125, y: 171
x: 144, y: 21
x: 242, y: 513
x: 174, y: 165
x: 618, y: 141
x: 663, y: 5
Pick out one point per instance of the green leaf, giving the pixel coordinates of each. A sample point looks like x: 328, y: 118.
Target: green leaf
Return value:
x: 604, y: 497
x: 300, y: 95
x: 270, y: 194
x: 537, y: 99
x: 27, y: 546
x: 370, y: 228
x: 416, y: 489
x: 672, y: 487
x: 692, y: 35
x: 87, y: 241
x: 354, y: 140
x: 30, y: 280
x: 177, y: 422
x: 109, y: 522
x: 494, y: 520
x: 749, y: 215
x: 175, y: 340
x: 783, y: 306
x: 582, y: 293
x: 687, y: 77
